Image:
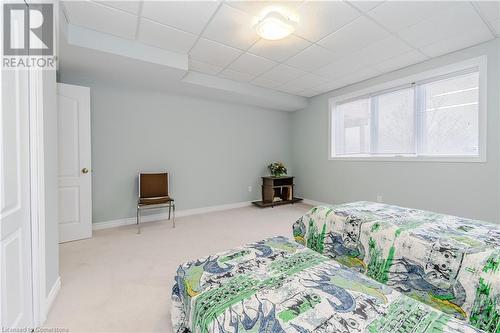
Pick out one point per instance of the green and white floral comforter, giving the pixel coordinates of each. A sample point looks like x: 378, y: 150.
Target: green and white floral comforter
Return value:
x: 448, y: 262
x: 277, y: 285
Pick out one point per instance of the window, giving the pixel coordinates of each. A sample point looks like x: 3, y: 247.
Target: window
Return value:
x: 449, y: 116
x: 435, y: 118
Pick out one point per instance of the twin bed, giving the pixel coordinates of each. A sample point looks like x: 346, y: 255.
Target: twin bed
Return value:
x: 280, y: 285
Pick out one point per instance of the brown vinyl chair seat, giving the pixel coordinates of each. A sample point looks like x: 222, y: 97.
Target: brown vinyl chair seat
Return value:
x: 154, y: 193
x: 154, y: 201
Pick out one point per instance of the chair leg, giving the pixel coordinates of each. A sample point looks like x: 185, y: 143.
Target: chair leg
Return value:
x: 169, y: 209
x: 173, y: 215
x: 138, y: 226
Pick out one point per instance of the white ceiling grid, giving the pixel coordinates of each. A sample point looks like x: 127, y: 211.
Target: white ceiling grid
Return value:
x: 336, y: 43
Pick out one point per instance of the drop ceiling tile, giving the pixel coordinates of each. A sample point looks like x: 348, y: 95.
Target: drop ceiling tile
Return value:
x: 365, y: 6
x: 343, y: 67
x: 191, y: 16
x: 496, y: 27
x: 214, y: 53
x: 291, y: 89
x: 457, y: 42
x: 309, y: 93
x: 252, y: 64
x: 260, y: 8
x: 261, y: 82
x: 490, y: 10
x: 236, y: 76
x: 311, y: 58
x: 397, y: 15
x: 334, y: 70
x: 400, y: 61
x: 165, y: 37
x: 308, y: 81
x: 354, y: 36
x: 202, y: 67
x: 279, y: 50
x: 382, y: 50
x: 449, y: 23
x: 282, y: 73
x: 232, y: 27
x: 361, y: 75
x: 373, y: 54
x: 101, y: 18
x: 129, y: 6
x: 329, y: 86
x: 319, y: 18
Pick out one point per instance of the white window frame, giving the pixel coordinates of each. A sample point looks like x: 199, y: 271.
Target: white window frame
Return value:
x: 479, y: 63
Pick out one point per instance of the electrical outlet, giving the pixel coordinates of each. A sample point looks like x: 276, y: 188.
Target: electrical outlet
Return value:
x: 379, y: 198
x: 249, y: 188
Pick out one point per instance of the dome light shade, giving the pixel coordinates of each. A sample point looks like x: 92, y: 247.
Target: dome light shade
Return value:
x: 274, y: 26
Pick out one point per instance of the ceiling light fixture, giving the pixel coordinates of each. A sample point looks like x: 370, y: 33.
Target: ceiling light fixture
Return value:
x: 274, y: 26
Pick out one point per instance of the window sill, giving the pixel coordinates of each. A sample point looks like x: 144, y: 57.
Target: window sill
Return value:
x: 410, y: 158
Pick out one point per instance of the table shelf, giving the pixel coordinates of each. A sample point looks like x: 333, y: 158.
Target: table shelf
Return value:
x: 277, y: 187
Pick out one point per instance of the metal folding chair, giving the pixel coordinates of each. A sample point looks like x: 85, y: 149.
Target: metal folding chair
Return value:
x: 154, y: 194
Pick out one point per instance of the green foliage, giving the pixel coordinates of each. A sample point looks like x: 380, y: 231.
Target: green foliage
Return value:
x: 213, y: 302
x: 378, y: 267
x: 375, y: 227
x: 303, y: 304
x: 315, y: 239
x: 297, y: 232
x: 493, y: 263
x: 409, y: 314
x: 484, y: 314
x: 277, y: 169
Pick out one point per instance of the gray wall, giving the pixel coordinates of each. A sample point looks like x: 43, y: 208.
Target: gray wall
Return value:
x: 465, y: 189
x: 213, y: 150
x: 50, y: 169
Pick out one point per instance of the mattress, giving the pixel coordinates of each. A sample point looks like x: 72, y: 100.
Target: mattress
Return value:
x: 277, y: 285
x: 448, y: 262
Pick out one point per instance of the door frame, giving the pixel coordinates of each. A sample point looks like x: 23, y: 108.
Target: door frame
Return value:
x: 37, y: 196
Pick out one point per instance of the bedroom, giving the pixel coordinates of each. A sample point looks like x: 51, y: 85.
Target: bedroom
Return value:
x: 148, y: 134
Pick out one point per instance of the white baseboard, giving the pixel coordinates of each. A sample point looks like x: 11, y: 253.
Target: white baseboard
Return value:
x: 315, y: 203
x: 52, y: 296
x: 164, y: 216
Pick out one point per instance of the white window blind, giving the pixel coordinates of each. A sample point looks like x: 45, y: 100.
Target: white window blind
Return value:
x: 449, y: 116
x: 435, y: 117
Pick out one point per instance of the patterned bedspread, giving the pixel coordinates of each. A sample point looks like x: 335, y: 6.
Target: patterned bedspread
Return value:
x: 448, y: 262
x: 277, y: 285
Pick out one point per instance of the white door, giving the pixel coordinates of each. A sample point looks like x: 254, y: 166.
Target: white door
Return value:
x: 15, y: 221
x: 75, y: 183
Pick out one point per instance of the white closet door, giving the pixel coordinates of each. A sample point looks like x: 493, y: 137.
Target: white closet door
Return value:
x: 16, y: 291
x: 75, y: 182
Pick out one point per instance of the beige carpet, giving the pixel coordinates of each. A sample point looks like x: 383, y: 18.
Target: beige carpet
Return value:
x: 119, y: 281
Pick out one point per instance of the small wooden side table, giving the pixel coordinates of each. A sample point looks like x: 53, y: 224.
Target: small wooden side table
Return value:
x: 277, y: 191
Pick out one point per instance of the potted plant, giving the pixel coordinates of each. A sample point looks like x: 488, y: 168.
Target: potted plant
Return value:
x: 278, y: 169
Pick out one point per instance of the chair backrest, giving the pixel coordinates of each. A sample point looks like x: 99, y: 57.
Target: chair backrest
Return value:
x: 153, y: 185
